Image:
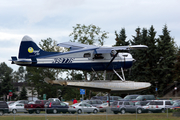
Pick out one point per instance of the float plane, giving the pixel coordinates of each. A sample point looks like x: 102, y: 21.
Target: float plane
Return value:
x: 83, y: 57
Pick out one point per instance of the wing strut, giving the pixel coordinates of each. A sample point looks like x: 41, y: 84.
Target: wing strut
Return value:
x: 112, y: 60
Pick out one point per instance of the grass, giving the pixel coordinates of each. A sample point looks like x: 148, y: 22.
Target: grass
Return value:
x: 154, y: 116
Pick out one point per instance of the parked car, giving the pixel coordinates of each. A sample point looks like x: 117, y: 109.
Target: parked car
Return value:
x: 3, y: 107
x: 125, y: 106
x: 17, y: 107
x: 141, y: 103
x: 175, y: 106
x: 36, y: 107
x: 144, y: 97
x: 56, y: 107
x: 53, y: 99
x: 143, y: 106
x: 159, y: 105
x: 93, y: 102
x: 22, y: 101
x: 83, y: 107
x: 103, y: 107
x: 105, y: 98
x: 10, y: 102
x: 130, y: 97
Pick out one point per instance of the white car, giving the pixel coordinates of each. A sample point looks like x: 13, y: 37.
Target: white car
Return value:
x: 82, y: 108
x: 159, y: 105
x: 16, y: 107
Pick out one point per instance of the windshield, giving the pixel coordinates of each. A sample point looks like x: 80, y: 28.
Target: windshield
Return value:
x: 127, y: 97
x: 176, y: 104
x: 139, y: 98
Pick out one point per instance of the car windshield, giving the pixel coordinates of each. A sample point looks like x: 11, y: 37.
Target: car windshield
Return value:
x: 11, y: 104
x: 176, y: 104
x: 75, y: 104
x: 148, y: 104
x: 139, y: 97
x: 127, y: 97
x: 137, y: 103
x: 104, y: 104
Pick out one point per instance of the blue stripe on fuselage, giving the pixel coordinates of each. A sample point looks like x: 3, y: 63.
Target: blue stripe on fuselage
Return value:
x: 86, y: 66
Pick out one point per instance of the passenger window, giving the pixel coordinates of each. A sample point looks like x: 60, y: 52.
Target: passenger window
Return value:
x: 115, y: 98
x: 159, y: 103
x: 87, y: 105
x: 120, y: 103
x: 98, y: 56
x: 86, y: 55
x: 63, y: 104
x: 126, y: 103
x: 168, y: 103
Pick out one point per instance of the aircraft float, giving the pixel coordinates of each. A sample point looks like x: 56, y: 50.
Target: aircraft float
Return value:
x: 83, y: 57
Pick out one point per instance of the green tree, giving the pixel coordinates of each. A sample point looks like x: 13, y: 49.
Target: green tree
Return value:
x: 88, y: 34
x: 121, y: 38
x: 19, y: 75
x: 146, y: 60
x: 6, y: 79
x: 176, y: 71
x: 166, y: 58
x: 23, y: 94
x: 36, y: 75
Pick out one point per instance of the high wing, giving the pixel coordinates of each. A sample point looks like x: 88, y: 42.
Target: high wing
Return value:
x: 99, y: 50
x: 76, y: 46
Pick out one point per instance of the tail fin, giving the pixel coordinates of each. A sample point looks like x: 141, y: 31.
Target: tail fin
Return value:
x: 29, y: 49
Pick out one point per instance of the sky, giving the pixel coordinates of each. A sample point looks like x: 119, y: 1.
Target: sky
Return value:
x: 41, y: 19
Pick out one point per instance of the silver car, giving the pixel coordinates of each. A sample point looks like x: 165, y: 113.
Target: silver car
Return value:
x: 103, y: 107
x: 82, y: 108
x: 16, y: 107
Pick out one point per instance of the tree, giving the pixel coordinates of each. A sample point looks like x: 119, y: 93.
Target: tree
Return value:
x: 146, y: 60
x: 121, y: 38
x: 23, y: 94
x: 19, y: 75
x: 88, y: 34
x: 166, y: 58
x: 6, y: 79
x: 36, y: 75
x: 176, y: 71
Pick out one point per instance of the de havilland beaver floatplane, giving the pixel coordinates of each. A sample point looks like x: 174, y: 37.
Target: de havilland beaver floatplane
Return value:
x: 83, y: 57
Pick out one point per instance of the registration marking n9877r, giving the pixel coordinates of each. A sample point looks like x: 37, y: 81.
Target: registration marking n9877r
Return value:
x: 63, y: 60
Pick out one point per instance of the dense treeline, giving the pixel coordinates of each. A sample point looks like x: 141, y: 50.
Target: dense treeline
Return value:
x: 159, y: 64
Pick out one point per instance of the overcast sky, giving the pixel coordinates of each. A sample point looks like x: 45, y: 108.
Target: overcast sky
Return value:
x: 41, y: 19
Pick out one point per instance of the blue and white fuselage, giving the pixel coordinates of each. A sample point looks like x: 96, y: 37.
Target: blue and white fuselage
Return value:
x: 80, y: 56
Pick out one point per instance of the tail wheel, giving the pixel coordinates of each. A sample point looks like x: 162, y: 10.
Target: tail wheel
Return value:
x: 123, y: 111
x: 79, y: 111
x: 95, y: 111
x: 14, y: 111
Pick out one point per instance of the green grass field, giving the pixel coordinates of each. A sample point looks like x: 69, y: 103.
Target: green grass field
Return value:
x: 154, y: 116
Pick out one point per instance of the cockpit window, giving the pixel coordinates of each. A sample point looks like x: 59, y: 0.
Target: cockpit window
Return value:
x: 87, y: 55
x: 113, y: 52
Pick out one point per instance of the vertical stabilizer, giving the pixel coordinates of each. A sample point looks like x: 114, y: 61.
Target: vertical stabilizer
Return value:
x: 29, y: 49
